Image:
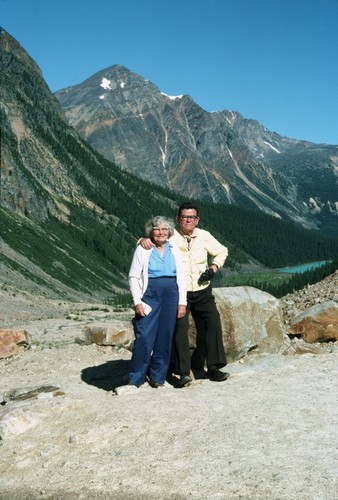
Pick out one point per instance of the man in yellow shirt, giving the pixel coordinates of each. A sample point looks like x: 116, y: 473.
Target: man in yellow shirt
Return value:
x: 196, y: 246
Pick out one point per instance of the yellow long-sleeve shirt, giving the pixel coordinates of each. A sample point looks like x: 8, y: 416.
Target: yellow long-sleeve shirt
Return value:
x: 195, y: 250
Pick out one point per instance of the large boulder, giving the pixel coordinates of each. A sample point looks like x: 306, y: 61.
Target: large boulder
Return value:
x: 251, y: 319
x: 318, y: 323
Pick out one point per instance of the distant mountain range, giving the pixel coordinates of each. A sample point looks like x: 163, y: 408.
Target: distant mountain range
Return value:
x: 219, y: 157
x: 70, y: 218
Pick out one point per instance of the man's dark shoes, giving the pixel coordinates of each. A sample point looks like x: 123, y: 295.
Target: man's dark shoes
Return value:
x: 199, y: 373
x: 216, y: 375
x: 185, y: 380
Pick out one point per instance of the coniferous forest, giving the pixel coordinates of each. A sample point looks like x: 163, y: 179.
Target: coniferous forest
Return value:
x: 103, y: 244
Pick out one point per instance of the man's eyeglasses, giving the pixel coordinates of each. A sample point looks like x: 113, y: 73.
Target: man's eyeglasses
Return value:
x: 186, y: 217
x: 158, y: 229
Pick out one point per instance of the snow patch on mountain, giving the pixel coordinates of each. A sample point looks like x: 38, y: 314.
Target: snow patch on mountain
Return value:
x: 172, y: 97
x: 105, y: 84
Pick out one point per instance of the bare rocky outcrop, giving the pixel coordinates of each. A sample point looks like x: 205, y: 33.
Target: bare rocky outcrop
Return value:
x: 295, y: 303
x: 317, y: 323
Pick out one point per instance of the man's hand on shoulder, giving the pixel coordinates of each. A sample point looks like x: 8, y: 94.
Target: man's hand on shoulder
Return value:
x: 146, y: 243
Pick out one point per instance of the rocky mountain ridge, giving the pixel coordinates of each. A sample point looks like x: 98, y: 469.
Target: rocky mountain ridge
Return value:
x: 219, y: 156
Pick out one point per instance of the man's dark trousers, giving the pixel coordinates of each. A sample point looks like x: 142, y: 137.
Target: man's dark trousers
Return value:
x: 209, y: 344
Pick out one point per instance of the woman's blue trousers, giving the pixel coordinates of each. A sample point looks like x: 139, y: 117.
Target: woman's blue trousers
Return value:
x: 154, y: 333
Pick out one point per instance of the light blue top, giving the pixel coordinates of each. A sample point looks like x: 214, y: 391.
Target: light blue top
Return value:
x: 161, y: 265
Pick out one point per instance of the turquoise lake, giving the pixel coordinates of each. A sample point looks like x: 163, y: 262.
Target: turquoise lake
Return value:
x: 302, y: 268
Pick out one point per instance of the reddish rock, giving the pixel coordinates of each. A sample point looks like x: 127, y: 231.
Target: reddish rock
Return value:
x: 317, y: 324
x: 11, y: 340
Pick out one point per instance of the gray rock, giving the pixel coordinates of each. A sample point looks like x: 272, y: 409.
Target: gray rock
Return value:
x: 251, y: 320
x: 112, y: 333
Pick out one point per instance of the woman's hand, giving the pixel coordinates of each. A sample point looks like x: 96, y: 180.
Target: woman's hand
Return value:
x: 139, y: 310
x: 181, y: 311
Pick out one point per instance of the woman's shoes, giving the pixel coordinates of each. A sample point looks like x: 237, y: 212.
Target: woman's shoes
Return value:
x: 125, y: 389
x: 155, y: 385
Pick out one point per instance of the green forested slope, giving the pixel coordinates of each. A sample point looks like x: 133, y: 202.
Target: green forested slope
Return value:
x: 271, y: 241
x: 92, y: 250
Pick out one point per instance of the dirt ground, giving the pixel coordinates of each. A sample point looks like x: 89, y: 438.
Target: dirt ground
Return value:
x: 268, y: 432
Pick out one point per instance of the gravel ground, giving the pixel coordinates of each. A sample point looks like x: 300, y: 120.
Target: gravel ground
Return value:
x: 268, y: 432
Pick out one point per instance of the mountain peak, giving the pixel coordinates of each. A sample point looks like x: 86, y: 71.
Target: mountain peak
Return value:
x: 220, y: 156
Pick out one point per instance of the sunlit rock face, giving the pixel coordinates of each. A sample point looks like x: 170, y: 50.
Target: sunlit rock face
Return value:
x: 318, y: 323
x: 218, y: 156
x: 251, y: 321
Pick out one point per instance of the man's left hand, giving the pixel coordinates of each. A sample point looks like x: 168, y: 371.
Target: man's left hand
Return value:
x: 206, y: 276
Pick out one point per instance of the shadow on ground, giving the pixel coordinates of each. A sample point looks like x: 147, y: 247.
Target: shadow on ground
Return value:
x: 107, y: 376
x: 115, y: 373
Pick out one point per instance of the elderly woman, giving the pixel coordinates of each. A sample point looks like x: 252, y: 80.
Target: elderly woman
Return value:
x: 157, y: 283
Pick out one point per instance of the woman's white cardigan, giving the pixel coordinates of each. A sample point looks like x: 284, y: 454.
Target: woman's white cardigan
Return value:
x: 138, y: 274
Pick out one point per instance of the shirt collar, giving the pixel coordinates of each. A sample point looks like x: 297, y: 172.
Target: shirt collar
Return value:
x: 189, y: 237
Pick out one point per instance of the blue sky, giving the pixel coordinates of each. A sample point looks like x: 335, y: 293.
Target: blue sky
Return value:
x: 275, y: 61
